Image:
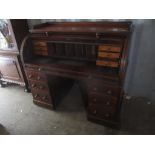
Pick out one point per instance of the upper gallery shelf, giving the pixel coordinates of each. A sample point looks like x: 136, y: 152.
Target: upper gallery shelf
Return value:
x: 82, y: 27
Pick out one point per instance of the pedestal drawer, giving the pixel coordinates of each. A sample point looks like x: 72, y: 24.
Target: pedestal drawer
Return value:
x: 101, y: 111
x: 33, y: 75
x: 38, y: 85
x: 102, y: 100
x: 98, y: 86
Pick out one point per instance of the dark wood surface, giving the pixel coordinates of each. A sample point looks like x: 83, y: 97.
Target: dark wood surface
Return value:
x: 93, y: 53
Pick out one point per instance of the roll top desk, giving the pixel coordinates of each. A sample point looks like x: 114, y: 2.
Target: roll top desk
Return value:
x: 92, y: 53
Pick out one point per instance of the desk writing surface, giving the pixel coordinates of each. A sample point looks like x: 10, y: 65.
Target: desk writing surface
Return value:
x: 81, y: 67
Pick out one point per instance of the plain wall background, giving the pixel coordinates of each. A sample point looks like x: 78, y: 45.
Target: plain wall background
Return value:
x: 140, y: 77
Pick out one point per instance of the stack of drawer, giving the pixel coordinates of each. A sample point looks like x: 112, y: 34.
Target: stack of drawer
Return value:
x: 103, y: 99
x: 109, y: 55
x: 39, y: 87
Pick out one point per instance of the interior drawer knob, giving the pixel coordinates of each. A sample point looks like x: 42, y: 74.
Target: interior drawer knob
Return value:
x: 109, y: 92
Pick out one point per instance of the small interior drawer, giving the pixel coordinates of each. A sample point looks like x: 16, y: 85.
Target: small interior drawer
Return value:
x: 108, y: 55
x: 110, y: 48
x: 106, y: 63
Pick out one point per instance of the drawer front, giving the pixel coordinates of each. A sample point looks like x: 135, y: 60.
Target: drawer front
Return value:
x: 39, y: 43
x: 98, y: 86
x: 32, y: 75
x: 102, y: 100
x: 102, y: 112
x: 107, y: 63
x: 110, y: 48
x: 38, y: 85
x: 108, y: 55
x: 42, y: 97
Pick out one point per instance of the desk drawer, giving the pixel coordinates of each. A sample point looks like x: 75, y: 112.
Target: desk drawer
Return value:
x: 102, y: 100
x: 38, y: 85
x: 110, y: 48
x: 32, y: 75
x: 99, y: 86
x: 106, y: 63
x: 101, y: 112
x: 42, y: 97
x: 108, y: 55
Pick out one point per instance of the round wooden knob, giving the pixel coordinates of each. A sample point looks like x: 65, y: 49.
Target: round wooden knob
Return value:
x: 94, y: 99
x: 95, y: 112
x: 95, y: 88
x: 39, y: 69
x: 109, y: 92
x: 38, y: 77
x: 33, y: 85
x: 36, y: 95
x: 30, y: 76
x: 107, y: 103
x: 44, y: 97
x: 107, y: 115
x: 41, y: 87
